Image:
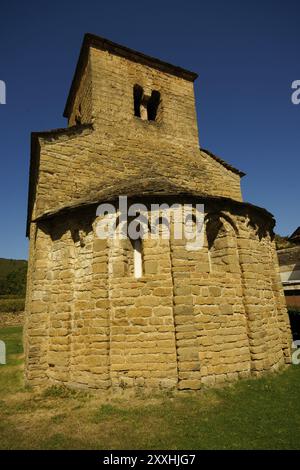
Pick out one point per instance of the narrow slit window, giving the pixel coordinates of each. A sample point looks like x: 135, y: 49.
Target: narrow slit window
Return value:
x: 137, y: 99
x: 152, y: 105
x: 137, y: 258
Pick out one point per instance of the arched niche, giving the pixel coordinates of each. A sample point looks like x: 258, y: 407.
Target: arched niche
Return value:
x: 221, y: 237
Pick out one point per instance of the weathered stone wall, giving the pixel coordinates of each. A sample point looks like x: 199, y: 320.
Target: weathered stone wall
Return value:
x: 142, y: 342
x: 217, y: 172
x: 76, y: 168
x: 194, y: 317
x: 36, y: 329
x: 82, y: 110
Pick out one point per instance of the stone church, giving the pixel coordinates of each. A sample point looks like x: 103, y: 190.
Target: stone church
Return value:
x: 119, y: 313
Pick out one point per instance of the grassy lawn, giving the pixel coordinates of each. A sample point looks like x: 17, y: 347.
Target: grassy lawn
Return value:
x: 252, y: 414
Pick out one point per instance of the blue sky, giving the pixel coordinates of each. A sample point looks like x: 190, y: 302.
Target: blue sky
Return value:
x: 246, y: 54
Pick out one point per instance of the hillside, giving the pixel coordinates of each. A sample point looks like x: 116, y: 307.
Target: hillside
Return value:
x: 12, y: 277
x: 283, y: 242
x: 9, y: 265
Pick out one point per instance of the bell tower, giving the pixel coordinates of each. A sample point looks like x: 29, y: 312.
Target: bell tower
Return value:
x: 132, y: 97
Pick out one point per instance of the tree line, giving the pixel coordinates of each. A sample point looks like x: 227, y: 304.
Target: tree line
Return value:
x: 14, y: 283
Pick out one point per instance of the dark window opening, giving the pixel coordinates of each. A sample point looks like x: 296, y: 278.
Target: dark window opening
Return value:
x: 137, y: 97
x: 145, y: 106
x: 152, y: 105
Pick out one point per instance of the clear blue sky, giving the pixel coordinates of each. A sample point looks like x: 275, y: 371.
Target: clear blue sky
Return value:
x: 246, y: 54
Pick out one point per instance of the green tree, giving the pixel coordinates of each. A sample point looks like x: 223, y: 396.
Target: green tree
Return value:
x: 14, y: 283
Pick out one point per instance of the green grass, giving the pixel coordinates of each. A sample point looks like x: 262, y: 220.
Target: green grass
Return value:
x: 252, y: 414
x: 10, y: 374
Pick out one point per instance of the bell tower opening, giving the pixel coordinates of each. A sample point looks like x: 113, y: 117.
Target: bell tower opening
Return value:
x: 145, y: 106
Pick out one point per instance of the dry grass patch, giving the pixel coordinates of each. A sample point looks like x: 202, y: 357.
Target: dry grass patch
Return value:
x: 251, y: 414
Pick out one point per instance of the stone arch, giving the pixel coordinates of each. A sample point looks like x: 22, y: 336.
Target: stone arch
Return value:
x: 221, y: 235
x: 223, y: 215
